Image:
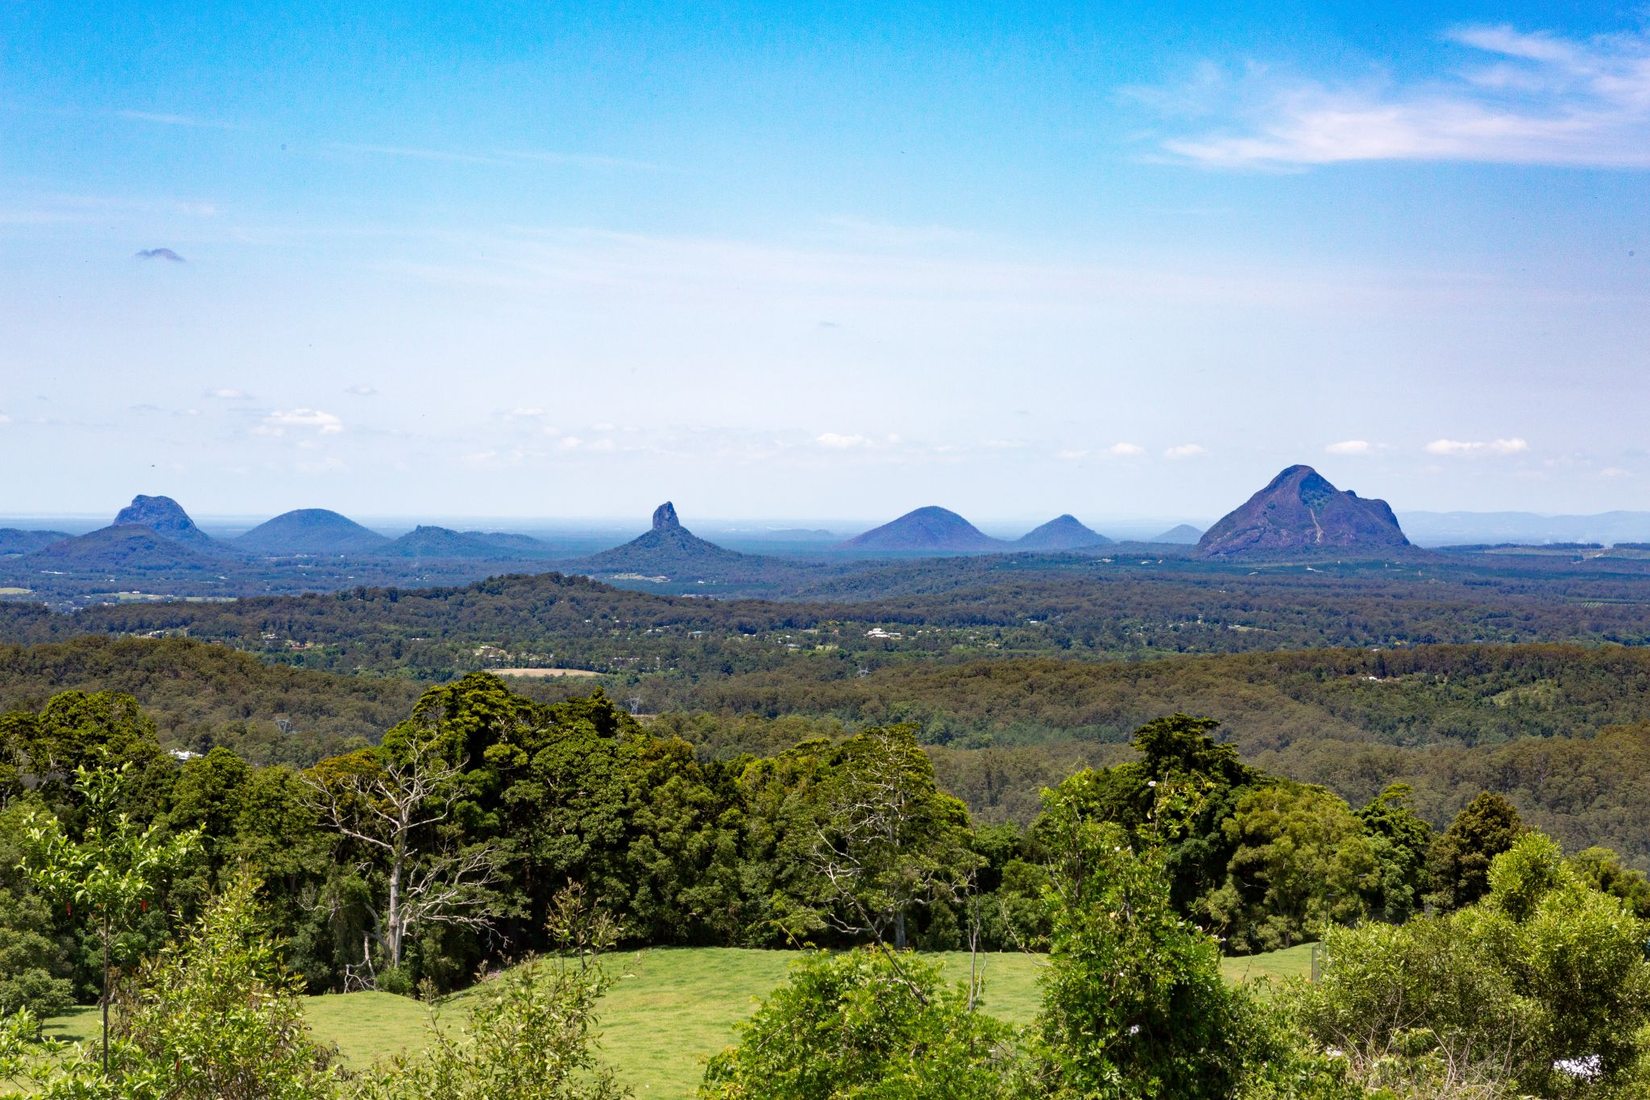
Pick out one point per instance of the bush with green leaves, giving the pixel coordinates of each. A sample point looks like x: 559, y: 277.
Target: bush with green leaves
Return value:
x: 530, y: 1037
x: 217, y: 1015
x: 1545, y: 972
x: 870, y: 1024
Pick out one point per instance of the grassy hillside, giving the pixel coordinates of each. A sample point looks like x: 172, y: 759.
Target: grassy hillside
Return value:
x: 669, y: 1009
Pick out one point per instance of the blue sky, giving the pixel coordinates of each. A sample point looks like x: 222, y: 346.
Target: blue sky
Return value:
x: 1113, y: 259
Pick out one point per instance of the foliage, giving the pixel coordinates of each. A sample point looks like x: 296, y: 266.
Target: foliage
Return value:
x: 1544, y: 970
x: 529, y: 1037
x: 867, y: 1024
x: 1134, y: 1005
x: 1301, y: 862
x: 217, y: 1016
x: 112, y: 874
x: 1399, y: 840
x: 1460, y: 858
x: 889, y: 841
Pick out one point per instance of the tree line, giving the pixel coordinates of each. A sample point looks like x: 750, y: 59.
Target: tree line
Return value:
x: 1480, y: 962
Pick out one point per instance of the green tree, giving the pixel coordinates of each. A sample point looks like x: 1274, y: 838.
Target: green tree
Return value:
x: 112, y: 874
x: 1459, y: 862
x: 1133, y: 1001
x: 1399, y: 839
x: 1300, y: 862
x: 890, y: 841
x: 857, y: 1025
x: 1544, y: 971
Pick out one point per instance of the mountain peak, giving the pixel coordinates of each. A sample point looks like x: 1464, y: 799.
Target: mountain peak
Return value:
x: 162, y: 515
x: 926, y: 530
x: 1300, y: 511
x: 1063, y: 532
x: 310, y: 531
x: 668, y: 548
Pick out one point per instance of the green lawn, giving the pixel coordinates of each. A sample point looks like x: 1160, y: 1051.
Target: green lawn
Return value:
x: 670, y: 1008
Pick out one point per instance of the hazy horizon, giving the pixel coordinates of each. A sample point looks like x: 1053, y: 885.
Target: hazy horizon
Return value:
x: 763, y: 260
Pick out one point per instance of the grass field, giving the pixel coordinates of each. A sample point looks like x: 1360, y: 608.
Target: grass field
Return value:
x: 669, y: 1008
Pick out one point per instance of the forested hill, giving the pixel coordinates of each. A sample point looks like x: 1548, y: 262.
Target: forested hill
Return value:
x: 1563, y: 730
x: 1073, y: 607
x: 204, y: 695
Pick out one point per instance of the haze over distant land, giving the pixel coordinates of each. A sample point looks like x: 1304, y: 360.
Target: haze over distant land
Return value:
x: 562, y: 260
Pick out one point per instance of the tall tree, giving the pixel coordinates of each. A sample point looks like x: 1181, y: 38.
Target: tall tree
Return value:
x: 889, y: 841
x: 112, y: 873
x: 392, y: 804
x: 1459, y: 862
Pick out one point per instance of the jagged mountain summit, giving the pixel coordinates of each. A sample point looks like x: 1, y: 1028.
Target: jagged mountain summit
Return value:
x: 1299, y: 511
x: 165, y: 517
x: 311, y: 531
x: 1061, y: 533
x: 931, y: 530
x: 668, y: 548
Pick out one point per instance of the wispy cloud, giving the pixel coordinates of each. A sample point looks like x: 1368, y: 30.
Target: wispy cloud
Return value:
x: 1461, y: 447
x: 162, y: 118
x: 279, y: 422
x: 1350, y: 447
x: 1525, y: 98
x: 228, y: 393
x: 1126, y: 450
x: 361, y: 391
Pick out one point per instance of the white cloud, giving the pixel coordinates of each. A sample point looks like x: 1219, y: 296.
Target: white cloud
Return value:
x: 361, y: 391
x: 1614, y: 471
x: 1350, y: 447
x: 1186, y: 450
x: 1533, y: 98
x: 228, y: 393
x: 841, y: 442
x: 1126, y: 450
x: 570, y: 443
x: 4, y: 419
x: 1071, y: 455
x: 1476, y: 447
x: 279, y: 422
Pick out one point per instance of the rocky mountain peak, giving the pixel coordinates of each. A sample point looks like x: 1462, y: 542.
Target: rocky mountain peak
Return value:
x: 162, y: 515
x: 1300, y: 511
x: 664, y: 517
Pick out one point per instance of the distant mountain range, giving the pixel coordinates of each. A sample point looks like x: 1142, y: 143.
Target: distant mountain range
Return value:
x: 1299, y: 511
x: 935, y: 530
x: 1458, y: 528
x: 14, y: 541
x: 154, y: 542
x: 165, y: 517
